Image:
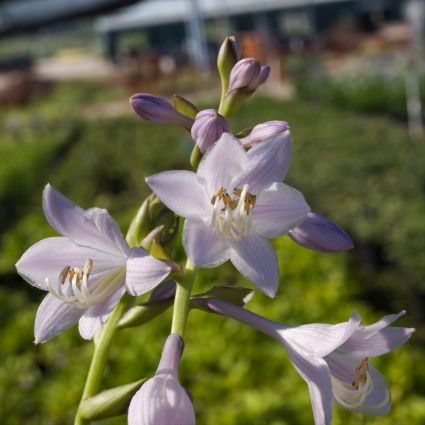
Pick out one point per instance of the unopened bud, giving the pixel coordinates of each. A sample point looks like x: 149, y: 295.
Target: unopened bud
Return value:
x: 243, y: 74
x: 156, y: 109
x: 320, y: 234
x: 263, y: 132
x: 228, y: 56
x: 261, y: 77
x: 162, y: 400
x: 208, y: 127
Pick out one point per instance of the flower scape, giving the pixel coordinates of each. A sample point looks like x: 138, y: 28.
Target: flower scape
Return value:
x: 230, y: 207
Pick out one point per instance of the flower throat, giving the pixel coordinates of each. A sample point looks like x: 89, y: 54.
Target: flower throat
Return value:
x: 232, y: 216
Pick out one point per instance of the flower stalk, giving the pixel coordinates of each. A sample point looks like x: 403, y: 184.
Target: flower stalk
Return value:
x: 182, y: 300
x: 100, y: 356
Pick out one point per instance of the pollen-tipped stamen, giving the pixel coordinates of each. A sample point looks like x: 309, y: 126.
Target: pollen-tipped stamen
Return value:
x: 231, y: 216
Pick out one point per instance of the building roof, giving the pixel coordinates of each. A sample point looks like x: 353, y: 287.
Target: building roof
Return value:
x: 157, y: 12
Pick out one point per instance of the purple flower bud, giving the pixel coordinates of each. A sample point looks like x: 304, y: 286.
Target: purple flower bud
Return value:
x: 318, y: 233
x: 162, y: 400
x: 243, y: 74
x: 208, y: 127
x: 261, y: 77
x: 156, y: 109
x: 263, y: 132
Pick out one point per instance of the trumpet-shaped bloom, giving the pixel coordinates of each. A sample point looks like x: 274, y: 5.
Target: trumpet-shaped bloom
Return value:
x: 332, y: 359
x: 233, y: 204
x: 86, y: 271
x: 162, y: 400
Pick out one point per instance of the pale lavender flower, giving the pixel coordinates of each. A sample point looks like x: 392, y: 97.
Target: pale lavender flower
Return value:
x: 208, y: 127
x: 86, y: 271
x: 162, y: 400
x: 247, y: 73
x: 332, y: 359
x: 318, y: 233
x: 264, y: 131
x: 233, y: 204
x: 158, y: 110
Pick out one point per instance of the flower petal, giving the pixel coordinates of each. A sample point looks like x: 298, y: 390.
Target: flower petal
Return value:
x: 161, y: 401
x: 181, y: 192
x: 255, y: 258
x: 377, y: 339
x: 321, y: 339
x: 92, y: 228
x: 202, y: 245
x: 48, y: 257
x: 278, y: 209
x: 54, y: 316
x: 144, y: 272
x: 268, y: 163
x: 315, y: 373
x: 224, y: 160
x: 96, y: 316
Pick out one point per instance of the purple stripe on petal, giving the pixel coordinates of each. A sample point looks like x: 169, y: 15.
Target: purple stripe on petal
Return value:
x: 268, y: 163
x: 93, y: 228
x: 224, y: 160
x: 53, y: 317
x: 255, y: 258
x: 182, y: 192
x: 278, y: 209
x: 144, y: 272
x: 202, y: 245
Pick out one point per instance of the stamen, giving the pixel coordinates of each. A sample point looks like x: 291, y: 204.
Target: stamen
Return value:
x: 63, y: 274
x: 218, y: 195
x: 231, y: 215
x: 360, y: 373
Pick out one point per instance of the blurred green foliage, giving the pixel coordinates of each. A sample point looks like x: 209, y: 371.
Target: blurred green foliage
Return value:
x: 360, y: 172
x: 368, y: 93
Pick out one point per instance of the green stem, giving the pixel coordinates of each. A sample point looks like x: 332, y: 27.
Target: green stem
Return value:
x: 100, y: 355
x: 181, y: 301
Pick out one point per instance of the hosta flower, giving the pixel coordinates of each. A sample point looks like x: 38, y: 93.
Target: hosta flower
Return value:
x: 156, y: 109
x: 248, y: 74
x: 162, y: 400
x: 208, y: 127
x: 332, y: 359
x: 86, y: 271
x: 320, y: 234
x: 264, y: 131
x: 233, y: 204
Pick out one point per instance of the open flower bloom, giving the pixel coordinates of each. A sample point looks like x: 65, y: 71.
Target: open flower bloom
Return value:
x: 162, y: 400
x: 332, y: 359
x: 234, y: 202
x: 86, y: 271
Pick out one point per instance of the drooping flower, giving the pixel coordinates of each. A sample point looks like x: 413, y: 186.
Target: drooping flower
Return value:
x: 234, y: 202
x: 332, y: 359
x: 320, y: 234
x: 86, y: 271
x: 156, y: 109
x: 208, y: 127
x: 162, y: 400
